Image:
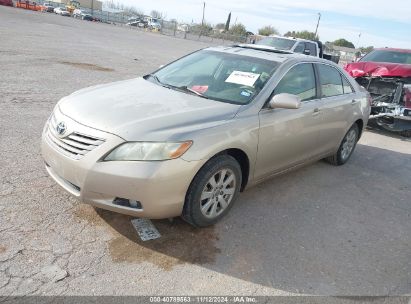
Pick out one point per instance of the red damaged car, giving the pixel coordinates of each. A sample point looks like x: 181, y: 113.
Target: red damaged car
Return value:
x: 386, y: 74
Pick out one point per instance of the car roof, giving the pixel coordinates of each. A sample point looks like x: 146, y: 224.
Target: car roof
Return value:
x: 394, y: 49
x: 290, y: 38
x: 265, y: 52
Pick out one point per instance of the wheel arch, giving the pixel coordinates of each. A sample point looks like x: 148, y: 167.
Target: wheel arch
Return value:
x: 242, y: 158
x: 360, y: 124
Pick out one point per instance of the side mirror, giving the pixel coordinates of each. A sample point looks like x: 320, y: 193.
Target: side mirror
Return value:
x: 307, y: 52
x: 285, y: 101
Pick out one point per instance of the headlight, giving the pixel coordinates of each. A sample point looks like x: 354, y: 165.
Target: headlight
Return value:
x: 149, y: 151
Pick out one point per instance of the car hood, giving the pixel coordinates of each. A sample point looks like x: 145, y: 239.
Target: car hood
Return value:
x: 138, y: 109
x: 378, y: 69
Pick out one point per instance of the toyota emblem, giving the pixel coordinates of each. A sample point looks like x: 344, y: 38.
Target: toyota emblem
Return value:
x: 61, y: 128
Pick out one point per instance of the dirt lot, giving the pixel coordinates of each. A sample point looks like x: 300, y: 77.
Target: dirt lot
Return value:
x: 321, y: 230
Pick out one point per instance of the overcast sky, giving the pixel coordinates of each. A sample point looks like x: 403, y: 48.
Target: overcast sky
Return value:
x: 380, y: 22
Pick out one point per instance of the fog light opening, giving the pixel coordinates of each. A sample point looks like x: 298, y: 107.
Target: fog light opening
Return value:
x: 127, y: 203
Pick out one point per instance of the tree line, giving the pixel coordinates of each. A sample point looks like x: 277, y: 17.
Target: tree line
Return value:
x: 238, y: 29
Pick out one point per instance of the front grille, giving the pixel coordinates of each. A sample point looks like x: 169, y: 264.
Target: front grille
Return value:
x: 74, y: 145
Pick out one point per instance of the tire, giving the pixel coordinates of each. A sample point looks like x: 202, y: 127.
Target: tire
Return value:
x: 218, y: 199
x: 349, y: 142
x: 406, y: 133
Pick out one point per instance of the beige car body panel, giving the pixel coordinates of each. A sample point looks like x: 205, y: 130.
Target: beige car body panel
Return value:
x: 274, y: 140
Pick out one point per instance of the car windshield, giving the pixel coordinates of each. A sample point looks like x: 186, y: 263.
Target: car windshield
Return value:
x: 278, y: 43
x: 388, y: 56
x: 216, y: 75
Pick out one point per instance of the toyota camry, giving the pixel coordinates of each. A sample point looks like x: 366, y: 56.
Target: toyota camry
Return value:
x: 186, y: 139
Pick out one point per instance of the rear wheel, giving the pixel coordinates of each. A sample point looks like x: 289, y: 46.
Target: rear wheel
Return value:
x: 346, y: 148
x: 212, y: 191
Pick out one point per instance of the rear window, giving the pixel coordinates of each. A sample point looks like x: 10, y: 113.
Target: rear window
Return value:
x: 278, y: 43
x: 312, y: 48
x: 330, y: 81
x: 388, y: 56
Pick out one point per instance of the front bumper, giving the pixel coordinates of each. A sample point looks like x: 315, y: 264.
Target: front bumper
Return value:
x: 160, y: 186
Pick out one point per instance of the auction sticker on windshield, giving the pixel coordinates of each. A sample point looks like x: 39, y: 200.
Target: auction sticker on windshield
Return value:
x: 244, y: 78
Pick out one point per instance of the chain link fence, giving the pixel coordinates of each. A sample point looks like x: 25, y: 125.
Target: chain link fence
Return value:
x: 169, y: 28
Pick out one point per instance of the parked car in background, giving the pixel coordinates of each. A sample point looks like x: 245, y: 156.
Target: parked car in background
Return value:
x: 154, y: 25
x: 132, y: 23
x: 78, y: 13
x: 81, y: 14
x: 133, y: 19
x: 61, y: 11
x: 29, y: 5
x: 138, y: 23
x: 386, y: 74
x: 183, y: 28
x: 186, y: 139
x: 87, y: 17
x: 297, y: 45
x: 6, y: 2
x: 47, y: 7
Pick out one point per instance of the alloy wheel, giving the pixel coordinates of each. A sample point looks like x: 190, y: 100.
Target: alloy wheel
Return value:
x: 218, y: 193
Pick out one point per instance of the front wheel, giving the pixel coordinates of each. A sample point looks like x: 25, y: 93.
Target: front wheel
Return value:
x: 212, y: 191
x: 346, y: 147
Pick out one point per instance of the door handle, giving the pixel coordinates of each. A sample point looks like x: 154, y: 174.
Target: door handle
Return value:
x: 316, y: 111
x: 354, y: 101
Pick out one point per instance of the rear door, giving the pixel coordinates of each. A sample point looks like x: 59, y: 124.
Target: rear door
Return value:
x: 288, y: 137
x: 337, y: 105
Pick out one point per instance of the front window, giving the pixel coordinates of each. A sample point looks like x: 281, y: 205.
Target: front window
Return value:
x: 300, y: 81
x: 388, y: 56
x: 216, y: 75
x: 278, y: 43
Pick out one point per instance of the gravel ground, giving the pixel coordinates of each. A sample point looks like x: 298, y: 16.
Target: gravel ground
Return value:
x: 321, y: 230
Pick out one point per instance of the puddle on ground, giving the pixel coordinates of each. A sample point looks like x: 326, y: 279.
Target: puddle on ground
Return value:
x: 87, y: 66
x: 179, y: 242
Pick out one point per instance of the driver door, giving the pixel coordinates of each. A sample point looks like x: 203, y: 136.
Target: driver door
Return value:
x: 288, y: 137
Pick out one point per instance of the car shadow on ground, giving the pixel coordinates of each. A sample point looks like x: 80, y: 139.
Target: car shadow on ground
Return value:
x: 319, y: 230
x: 378, y: 130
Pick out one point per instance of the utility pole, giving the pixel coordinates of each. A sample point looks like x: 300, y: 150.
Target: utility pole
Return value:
x: 202, y: 22
x: 318, y: 23
x: 358, y: 42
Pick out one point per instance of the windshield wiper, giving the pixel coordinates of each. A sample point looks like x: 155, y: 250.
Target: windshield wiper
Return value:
x: 165, y: 85
x: 187, y: 89
x: 169, y: 86
x: 155, y: 78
